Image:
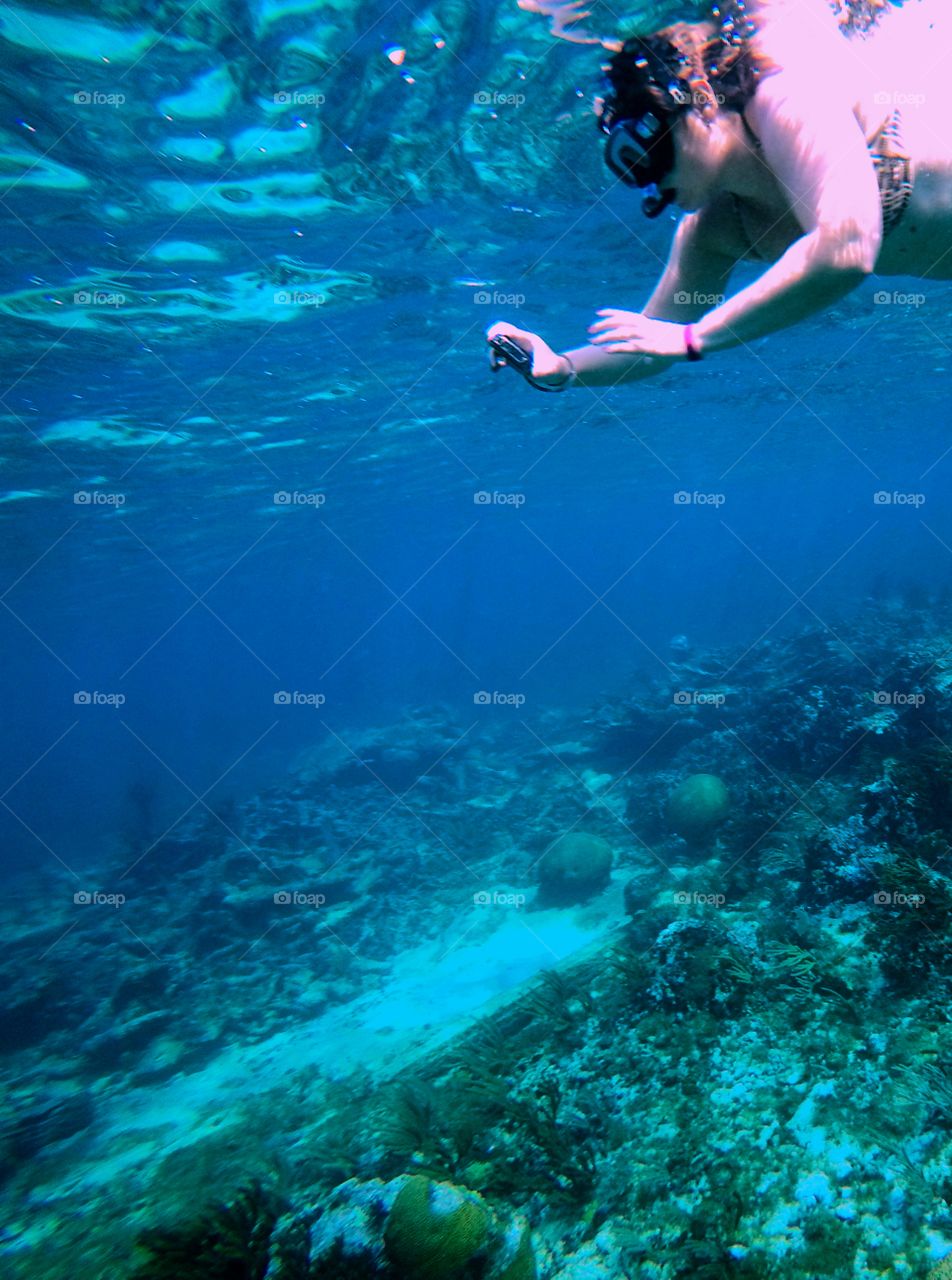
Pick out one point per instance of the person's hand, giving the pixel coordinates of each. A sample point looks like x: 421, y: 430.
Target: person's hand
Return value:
x: 631, y: 333
x: 546, y: 363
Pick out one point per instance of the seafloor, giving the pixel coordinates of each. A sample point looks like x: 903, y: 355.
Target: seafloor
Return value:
x: 445, y: 1007
x: 659, y: 990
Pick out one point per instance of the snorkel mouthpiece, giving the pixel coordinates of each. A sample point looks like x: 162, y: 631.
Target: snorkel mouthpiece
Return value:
x: 655, y: 202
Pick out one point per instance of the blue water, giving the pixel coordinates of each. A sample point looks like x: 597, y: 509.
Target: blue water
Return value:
x: 198, y: 597
x: 260, y: 538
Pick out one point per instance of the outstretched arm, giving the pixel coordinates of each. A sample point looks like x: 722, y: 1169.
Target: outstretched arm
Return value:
x: 703, y: 254
x: 706, y: 248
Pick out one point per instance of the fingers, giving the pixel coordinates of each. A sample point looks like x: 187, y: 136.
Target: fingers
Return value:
x: 614, y: 335
x: 618, y: 341
x: 610, y: 317
x: 617, y: 331
x: 613, y: 318
x: 501, y: 329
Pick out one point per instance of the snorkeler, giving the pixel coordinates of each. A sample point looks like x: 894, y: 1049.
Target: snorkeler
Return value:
x: 826, y: 156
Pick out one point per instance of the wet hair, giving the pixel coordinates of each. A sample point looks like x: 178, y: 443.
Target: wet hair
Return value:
x: 859, y: 16
x: 671, y: 69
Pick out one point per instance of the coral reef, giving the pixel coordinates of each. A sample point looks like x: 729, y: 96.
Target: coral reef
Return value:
x: 409, y: 1229
x: 698, y: 1090
x: 697, y: 805
x: 435, y: 1231
x: 573, y: 868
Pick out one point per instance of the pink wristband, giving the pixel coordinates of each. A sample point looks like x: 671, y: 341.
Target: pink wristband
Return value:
x: 692, y: 350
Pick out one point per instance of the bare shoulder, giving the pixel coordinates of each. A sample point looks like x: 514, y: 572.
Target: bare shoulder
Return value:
x: 802, y: 42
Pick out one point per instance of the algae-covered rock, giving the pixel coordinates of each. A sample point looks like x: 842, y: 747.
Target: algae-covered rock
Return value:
x: 516, y: 1258
x: 697, y: 805
x: 572, y: 869
x: 435, y: 1230
x: 417, y: 1228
